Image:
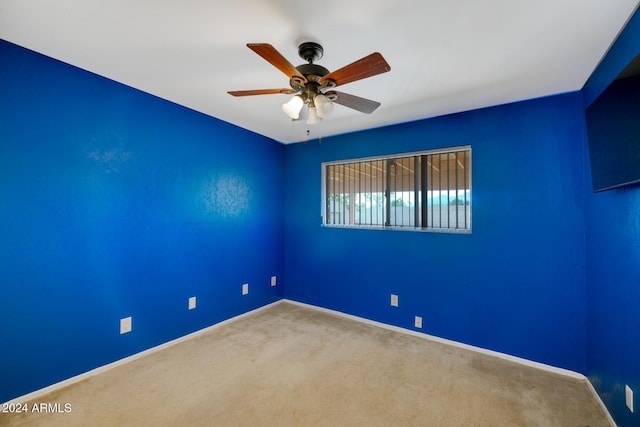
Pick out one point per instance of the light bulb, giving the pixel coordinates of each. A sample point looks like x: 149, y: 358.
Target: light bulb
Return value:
x: 313, y: 116
x: 324, y: 107
x: 293, y: 107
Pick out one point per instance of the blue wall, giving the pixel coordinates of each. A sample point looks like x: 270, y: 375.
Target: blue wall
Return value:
x: 613, y: 264
x: 613, y: 289
x: 116, y: 203
x: 515, y: 285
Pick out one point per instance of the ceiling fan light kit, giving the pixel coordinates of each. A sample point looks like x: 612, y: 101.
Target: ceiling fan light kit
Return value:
x: 313, y: 118
x: 323, y: 105
x: 293, y: 107
x: 313, y: 85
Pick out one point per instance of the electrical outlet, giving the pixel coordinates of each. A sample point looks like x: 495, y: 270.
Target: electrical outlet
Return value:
x: 126, y: 325
x: 273, y: 280
x: 192, y: 303
x: 394, y: 300
x: 418, y: 322
x: 245, y: 289
x: 628, y: 394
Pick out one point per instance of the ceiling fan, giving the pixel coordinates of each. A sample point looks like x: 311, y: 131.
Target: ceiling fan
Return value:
x: 313, y: 85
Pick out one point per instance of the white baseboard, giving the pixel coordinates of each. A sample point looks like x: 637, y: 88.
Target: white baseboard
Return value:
x: 604, y: 407
x: 515, y: 359
x: 59, y: 385
x: 505, y: 356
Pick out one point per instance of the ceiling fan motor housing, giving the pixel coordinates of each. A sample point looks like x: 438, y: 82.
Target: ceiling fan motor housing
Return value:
x: 313, y: 73
x: 310, y: 52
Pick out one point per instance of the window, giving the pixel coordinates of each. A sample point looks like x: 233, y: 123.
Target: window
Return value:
x: 428, y: 190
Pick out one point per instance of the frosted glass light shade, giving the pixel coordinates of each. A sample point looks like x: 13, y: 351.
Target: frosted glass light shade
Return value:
x: 293, y: 107
x: 313, y: 116
x: 324, y: 107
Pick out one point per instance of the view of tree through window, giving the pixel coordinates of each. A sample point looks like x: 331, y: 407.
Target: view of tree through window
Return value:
x: 429, y: 190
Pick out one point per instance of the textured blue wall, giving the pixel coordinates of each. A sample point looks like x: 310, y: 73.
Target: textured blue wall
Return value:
x: 515, y: 285
x: 613, y: 290
x: 613, y: 265
x: 115, y: 203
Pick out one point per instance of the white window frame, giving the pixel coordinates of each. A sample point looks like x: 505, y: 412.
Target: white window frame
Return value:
x: 425, y: 226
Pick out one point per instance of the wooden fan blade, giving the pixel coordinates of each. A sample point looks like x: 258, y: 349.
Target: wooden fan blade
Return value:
x: 366, y: 67
x: 260, y: 92
x: 363, y: 105
x: 275, y: 58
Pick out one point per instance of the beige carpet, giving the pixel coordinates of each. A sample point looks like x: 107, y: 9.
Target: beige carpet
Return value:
x: 289, y: 365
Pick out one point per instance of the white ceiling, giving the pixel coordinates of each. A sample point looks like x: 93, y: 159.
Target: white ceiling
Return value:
x: 445, y: 56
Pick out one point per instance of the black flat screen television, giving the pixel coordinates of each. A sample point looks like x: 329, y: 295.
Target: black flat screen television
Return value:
x: 613, y: 131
